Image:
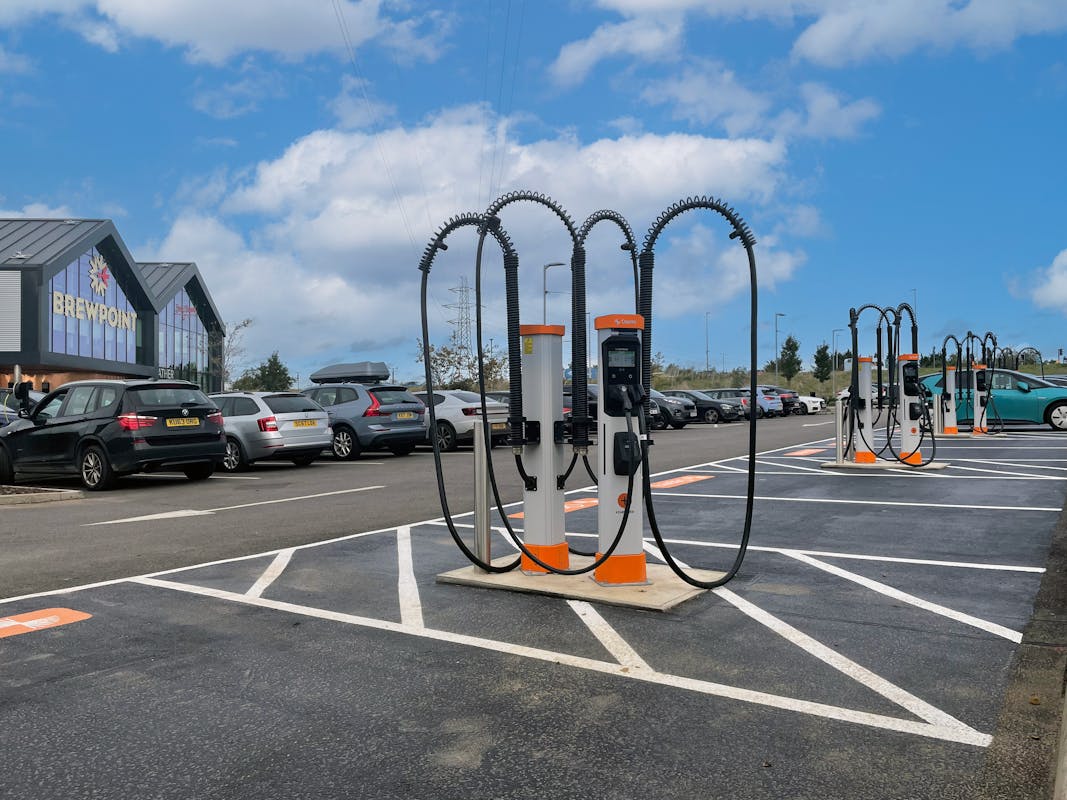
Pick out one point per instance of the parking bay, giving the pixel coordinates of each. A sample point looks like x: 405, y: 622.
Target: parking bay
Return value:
x: 863, y: 651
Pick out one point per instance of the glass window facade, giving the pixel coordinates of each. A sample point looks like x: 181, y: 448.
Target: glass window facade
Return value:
x: 90, y: 315
x: 184, y: 343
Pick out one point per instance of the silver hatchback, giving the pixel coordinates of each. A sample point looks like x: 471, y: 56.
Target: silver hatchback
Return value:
x: 272, y: 425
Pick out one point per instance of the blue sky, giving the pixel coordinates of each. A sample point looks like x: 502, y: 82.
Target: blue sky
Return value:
x: 880, y: 152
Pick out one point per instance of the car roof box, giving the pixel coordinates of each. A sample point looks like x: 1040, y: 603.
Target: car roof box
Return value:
x: 359, y: 372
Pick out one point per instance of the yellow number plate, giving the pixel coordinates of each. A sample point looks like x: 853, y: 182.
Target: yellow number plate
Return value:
x: 405, y: 415
x: 305, y: 423
x: 499, y: 426
x: 183, y: 422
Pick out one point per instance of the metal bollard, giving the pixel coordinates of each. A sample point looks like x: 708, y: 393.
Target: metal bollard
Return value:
x: 839, y: 419
x: 481, y: 496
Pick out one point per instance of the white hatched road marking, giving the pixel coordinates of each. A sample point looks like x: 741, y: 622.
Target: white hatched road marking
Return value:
x: 608, y: 636
x: 953, y: 732
x: 904, y: 597
x: 407, y: 586
x: 271, y: 573
x: 768, y: 498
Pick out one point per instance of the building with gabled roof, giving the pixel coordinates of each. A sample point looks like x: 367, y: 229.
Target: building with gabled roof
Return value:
x: 74, y: 304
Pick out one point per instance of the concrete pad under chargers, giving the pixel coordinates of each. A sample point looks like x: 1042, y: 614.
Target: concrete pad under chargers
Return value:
x: 664, y: 589
x: 884, y: 465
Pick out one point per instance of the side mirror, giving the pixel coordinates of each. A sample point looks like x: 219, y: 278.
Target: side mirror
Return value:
x: 24, y: 413
x: 22, y: 391
x: 1023, y: 386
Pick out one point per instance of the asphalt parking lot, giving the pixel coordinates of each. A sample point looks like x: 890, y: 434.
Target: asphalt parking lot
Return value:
x: 869, y: 648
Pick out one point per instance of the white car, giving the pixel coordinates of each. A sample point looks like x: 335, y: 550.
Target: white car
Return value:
x: 810, y: 404
x: 458, y: 412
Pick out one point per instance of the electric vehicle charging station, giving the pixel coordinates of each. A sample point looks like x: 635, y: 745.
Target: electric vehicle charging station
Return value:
x: 980, y: 402
x: 949, y: 424
x: 619, y: 340
x: 542, y: 356
x: 907, y: 415
x: 536, y: 439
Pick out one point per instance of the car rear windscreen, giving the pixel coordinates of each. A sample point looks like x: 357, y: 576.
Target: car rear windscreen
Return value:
x: 389, y: 396
x: 290, y: 404
x: 167, y: 396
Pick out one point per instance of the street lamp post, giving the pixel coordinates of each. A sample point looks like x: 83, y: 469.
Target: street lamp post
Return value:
x: 544, y: 289
x: 707, y: 344
x: 833, y: 363
x: 777, y: 353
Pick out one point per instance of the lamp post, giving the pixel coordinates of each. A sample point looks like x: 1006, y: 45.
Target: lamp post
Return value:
x: 833, y: 364
x: 707, y: 344
x: 777, y: 353
x: 544, y: 289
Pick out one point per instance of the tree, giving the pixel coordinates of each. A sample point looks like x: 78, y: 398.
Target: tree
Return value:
x: 823, y: 363
x: 788, y: 359
x: 455, y: 366
x: 270, y: 376
x: 226, y: 360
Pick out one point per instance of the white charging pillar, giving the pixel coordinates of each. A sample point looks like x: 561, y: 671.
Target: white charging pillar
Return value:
x: 619, y: 366
x: 909, y: 407
x: 950, y: 423
x: 863, y: 425
x: 979, y: 399
x: 542, y: 405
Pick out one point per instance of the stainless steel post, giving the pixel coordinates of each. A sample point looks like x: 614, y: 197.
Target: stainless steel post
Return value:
x: 481, y: 496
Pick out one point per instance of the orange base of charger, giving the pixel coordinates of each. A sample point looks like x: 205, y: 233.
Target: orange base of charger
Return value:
x: 622, y: 570
x: 555, y: 555
x: 865, y: 457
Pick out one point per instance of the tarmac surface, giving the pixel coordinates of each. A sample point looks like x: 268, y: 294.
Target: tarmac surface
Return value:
x: 880, y: 641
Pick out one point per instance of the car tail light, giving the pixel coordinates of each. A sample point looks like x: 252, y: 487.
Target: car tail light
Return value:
x: 375, y: 409
x: 268, y: 424
x: 566, y: 409
x: 133, y: 422
x: 214, y: 416
x: 470, y: 411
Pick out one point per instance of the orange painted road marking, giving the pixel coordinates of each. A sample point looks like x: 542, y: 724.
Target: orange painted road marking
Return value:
x: 681, y: 480
x: 39, y: 621
x: 569, y: 505
x: 809, y: 452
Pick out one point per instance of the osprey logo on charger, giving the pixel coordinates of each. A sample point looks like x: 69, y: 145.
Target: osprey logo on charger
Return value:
x: 99, y: 276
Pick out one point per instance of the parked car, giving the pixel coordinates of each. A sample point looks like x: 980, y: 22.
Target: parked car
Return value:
x: 809, y: 404
x: 272, y: 425
x: 735, y: 396
x: 9, y: 405
x: 790, y: 399
x: 709, y: 409
x: 458, y: 412
x: 1017, y: 397
x: 101, y: 430
x: 380, y: 417
x: 767, y: 405
x: 674, y: 411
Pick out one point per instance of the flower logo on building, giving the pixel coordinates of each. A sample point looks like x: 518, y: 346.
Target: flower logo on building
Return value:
x: 98, y: 274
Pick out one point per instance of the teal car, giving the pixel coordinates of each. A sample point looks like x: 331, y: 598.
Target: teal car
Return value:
x: 1017, y: 397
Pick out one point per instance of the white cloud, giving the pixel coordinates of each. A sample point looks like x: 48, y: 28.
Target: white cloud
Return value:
x: 13, y: 62
x: 826, y: 115
x: 648, y: 39
x: 213, y: 32
x: 709, y: 93
x: 239, y: 97
x: 38, y: 211
x: 354, y: 107
x: 1051, y: 289
x: 330, y: 259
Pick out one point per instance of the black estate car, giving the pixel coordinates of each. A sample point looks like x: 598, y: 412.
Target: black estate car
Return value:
x: 100, y: 430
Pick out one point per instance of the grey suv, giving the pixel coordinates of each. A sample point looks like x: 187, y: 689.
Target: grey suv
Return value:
x: 371, y: 418
x: 277, y: 425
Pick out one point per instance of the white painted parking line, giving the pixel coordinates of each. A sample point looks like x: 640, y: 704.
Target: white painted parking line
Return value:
x: 271, y: 573
x: 957, y: 732
x: 816, y: 424
x: 608, y: 636
x: 904, y: 597
x: 1029, y: 475
x: 407, y: 587
x: 767, y: 498
x: 195, y: 513
x: 1014, y: 464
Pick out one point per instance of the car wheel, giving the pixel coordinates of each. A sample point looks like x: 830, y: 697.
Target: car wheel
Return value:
x: 94, y: 471
x: 658, y: 423
x: 804, y: 408
x: 304, y: 460
x: 711, y: 416
x: 402, y: 449
x: 234, y: 460
x: 759, y: 412
x: 446, y: 437
x: 345, y: 444
x: 7, y: 473
x: 678, y: 425
x: 1057, y: 417
x: 200, y: 472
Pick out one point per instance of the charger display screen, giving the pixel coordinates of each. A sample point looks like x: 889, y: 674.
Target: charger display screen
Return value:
x: 622, y: 358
